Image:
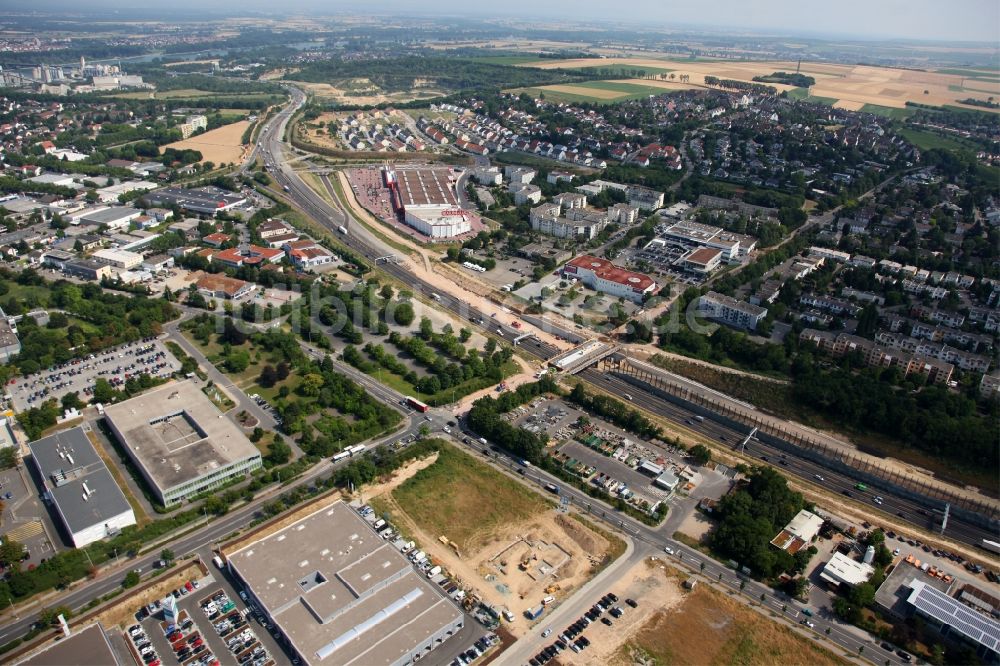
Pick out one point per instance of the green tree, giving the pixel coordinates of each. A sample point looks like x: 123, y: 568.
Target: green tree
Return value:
x: 167, y: 554
x: 131, y: 580
x: 104, y: 393
x: 11, y: 552
x: 279, y: 452
x: 701, y: 454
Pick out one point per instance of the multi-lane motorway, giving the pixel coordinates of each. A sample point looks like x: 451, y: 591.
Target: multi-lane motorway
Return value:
x: 359, y: 239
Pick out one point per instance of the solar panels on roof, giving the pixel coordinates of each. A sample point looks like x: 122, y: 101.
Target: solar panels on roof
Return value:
x: 946, y: 610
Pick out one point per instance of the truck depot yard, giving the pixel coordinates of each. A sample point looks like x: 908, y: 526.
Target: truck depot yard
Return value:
x: 490, y: 533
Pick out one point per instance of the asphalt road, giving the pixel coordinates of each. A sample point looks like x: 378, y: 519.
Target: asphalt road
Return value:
x: 657, y: 539
x: 362, y: 241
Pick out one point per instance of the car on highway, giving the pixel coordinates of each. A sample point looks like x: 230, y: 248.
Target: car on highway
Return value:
x: 808, y: 623
x: 878, y: 500
x: 547, y: 633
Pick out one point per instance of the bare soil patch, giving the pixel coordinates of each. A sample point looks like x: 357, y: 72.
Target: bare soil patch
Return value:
x: 709, y: 627
x: 220, y: 145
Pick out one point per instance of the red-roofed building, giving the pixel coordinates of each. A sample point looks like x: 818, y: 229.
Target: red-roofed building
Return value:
x: 216, y: 239
x: 231, y: 257
x: 268, y: 254
x: 704, y: 260
x: 311, y: 257
x: 220, y: 286
x: 605, y: 277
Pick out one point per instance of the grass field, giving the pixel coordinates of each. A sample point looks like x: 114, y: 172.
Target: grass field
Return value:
x: 465, y: 499
x: 929, y: 140
x: 727, y: 633
x: 985, y: 74
x: 888, y: 111
x: 597, y: 92
x: 803, y: 94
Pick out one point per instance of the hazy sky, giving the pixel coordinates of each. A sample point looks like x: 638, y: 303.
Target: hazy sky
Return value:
x: 966, y: 20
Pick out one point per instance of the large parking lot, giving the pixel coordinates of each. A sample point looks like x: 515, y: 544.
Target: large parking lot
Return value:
x: 24, y: 517
x: 212, y: 627
x: 598, y: 452
x: 117, y: 365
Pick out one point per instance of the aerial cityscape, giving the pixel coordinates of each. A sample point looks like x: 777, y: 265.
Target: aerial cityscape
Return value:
x: 547, y: 333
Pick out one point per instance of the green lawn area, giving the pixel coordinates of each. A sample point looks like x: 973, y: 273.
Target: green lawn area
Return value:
x: 802, y: 94
x: 929, y: 140
x: 465, y: 500
x: 29, y: 296
x: 984, y: 74
x: 620, y: 71
x: 219, y: 398
x: 400, y: 385
x: 628, y: 91
x: 888, y: 111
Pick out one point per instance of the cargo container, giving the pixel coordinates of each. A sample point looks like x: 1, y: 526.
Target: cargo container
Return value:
x: 534, y: 613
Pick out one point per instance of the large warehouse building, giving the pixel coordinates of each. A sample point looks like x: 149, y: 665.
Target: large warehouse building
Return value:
x: 180, y: 442
x: 79, y: 486
x: 426, y: 199
x: 343, y: 596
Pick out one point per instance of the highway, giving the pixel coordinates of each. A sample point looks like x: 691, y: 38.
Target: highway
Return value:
x: 270, y: 149
x: 896, y: 507
x: 361, y: 240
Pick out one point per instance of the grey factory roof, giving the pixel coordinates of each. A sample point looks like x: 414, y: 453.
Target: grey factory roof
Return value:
x: 206, y: 199
x: 177, y: 434
x: 946, y: 610
x: 111, y: 215
x: 85, y: 647
x: 70, y: 467
x: 7, y: 336
x: 340, y: 593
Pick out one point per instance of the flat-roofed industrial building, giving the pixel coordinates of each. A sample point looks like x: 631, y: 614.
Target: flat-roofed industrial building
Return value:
x: 426, y: 197
x: 180, y: 442
x: 74, y: 478
x: 342, y: 595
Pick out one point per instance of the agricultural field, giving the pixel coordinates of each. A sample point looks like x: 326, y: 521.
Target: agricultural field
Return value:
x: 598, y: 92
x: 495, y: 534
x: 926, y: 140
x: 221, y: 145
x: 848, y: 85
x: 728, y: 633
x: 888, y: 112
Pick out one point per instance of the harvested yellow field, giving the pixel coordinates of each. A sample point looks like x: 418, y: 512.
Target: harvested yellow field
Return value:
x: 852, y: 85
x: 848, y: 105
x: 220, y: 145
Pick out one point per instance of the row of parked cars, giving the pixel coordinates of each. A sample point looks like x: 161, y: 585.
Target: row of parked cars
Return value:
x: 187, y: 643
x: 477, y: 650
x: 572, y: 637
x: 142, y: 645
x: 232, y: 627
